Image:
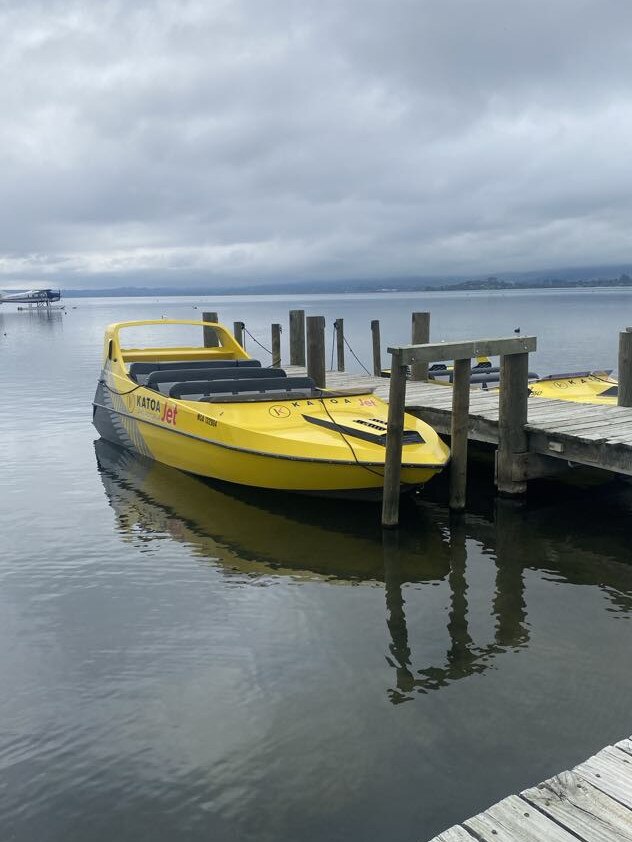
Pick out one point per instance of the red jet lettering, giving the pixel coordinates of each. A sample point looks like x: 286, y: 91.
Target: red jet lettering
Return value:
x: 169, y: 414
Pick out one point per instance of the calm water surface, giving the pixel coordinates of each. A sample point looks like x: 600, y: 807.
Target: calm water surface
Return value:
x: 182, y: 660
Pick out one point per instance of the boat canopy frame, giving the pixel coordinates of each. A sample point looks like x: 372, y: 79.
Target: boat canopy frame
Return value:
x: 228, y: 348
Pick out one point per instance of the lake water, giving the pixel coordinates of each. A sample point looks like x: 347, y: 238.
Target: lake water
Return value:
x: 183, y: 660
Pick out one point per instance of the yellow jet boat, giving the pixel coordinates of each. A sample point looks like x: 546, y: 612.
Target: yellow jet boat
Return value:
x: 217, y: 413
x: 580, y: 387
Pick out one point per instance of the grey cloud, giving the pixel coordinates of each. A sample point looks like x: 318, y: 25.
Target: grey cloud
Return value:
x: 312, y: 139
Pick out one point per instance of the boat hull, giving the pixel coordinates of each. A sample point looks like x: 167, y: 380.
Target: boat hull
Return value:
x: 215, y: 412
x: 115, y: 421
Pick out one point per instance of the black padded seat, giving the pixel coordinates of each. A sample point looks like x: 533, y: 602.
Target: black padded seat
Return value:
x: 186, y: 374
x: 147, y: 368
x: 239, y: 387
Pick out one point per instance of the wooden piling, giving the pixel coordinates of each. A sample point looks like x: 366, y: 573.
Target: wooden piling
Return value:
x: 340, y: 344
x: 512, y: 456
x: 394, y: 436
x: 210, y: 337
x: 297, y: 337
x: 377, y: 354
x: 276, y: 346
x: 625, y: 367
x: 458, y: 432
x: 316, y: 349
x: 238, y: 332
x: 420, y: 336
x: 512, y: 437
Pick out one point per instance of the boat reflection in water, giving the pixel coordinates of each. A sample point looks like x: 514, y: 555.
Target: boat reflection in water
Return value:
x: 259, y: 534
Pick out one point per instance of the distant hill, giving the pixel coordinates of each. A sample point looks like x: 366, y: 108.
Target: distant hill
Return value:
x: 617, y: 276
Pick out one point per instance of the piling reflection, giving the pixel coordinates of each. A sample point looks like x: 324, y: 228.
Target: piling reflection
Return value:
x: 558, y: 542
x: 463, y: 656
x: 258, y: 534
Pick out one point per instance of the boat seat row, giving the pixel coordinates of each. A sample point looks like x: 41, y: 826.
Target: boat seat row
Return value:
x: 142, y: 370
x: 183, y: 375
x: 273, y: 385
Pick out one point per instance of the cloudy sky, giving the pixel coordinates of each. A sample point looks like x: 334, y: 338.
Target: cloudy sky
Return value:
x: 199, y: 141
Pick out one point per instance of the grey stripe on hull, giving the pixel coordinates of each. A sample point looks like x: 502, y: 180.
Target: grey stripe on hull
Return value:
x: 114, y: 423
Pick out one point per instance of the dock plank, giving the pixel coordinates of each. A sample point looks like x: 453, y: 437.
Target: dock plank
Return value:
x: 578, y: 426
x: 513, y: 819
x: 611, y: 772
x: 455, y: 834
x: 582, y: 808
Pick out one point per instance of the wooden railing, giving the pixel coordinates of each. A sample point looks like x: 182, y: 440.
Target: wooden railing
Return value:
x: 514, y: 389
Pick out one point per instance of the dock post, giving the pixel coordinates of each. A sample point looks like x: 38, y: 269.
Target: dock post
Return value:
x: 210, y: 337
x: 340, y: 344
x: 458, y: 433
x: 377, y: 354
x: 512, y: 417
x: 625, y: 368
x: 316, y: 349
x: 420, y: 336
x: 276, y: 346
x: 297, y: 337
x: 238, y: 332
x: 394, y: 436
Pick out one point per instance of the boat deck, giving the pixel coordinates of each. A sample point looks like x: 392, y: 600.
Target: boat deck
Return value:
x: 585, y: 434
x: 592, y: 802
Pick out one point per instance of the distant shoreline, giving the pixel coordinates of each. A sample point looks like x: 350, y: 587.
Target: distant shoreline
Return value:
x: 490, y: 285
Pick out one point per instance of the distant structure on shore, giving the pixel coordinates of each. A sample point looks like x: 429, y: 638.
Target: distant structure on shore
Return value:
x: 32, y: 297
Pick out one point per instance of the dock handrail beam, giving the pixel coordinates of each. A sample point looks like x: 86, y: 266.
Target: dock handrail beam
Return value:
x: 439, y: 351
x: 514, y: 353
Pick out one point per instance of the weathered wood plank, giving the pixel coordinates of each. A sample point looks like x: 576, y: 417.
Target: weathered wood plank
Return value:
x: 210, y: 336
x: 595, y: 423
x: 479, y: 430
x: 611, y: 772
x: 316, y: 369
x: 276, y: 345
x: 459, y: 434
x: 420, y: 336
x: 438, y: 351
x: 591, y: 431
x: 595, y: 434
x: 596, y: 454
x: 625, y: 745
x: 454, y: 834
x: 617, y: 438
x: 514, y: 820
x: 394, y: 433
x: 577, y: 805
x: 375, y: 341
x: 297, y: 337
x: 582, y: 413
x: 625, y: 368
x: 568, y: 413
x: 512, y: 437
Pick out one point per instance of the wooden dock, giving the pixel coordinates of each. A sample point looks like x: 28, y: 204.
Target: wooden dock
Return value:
x: 592, y: 803
x: 558, y: 432
x: 533, y: 437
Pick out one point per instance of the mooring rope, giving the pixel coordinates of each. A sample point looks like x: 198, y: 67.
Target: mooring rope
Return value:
x: 333, y: 344
x: 254, y: 339
x: 356, y: 357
